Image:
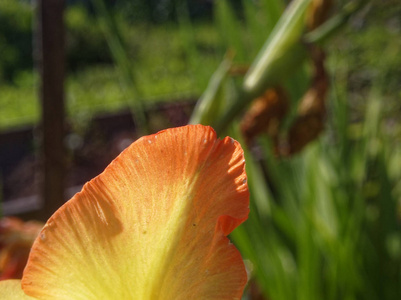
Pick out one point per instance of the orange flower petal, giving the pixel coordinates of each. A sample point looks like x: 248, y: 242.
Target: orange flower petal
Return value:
x: 11, y: 290
x: 153, y: 225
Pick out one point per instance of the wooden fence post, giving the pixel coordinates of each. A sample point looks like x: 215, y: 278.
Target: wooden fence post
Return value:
x: 50, y: 55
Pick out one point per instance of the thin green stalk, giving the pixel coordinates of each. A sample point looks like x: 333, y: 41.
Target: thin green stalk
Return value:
x: 211, y: 103
x: 286, y: 34
x: 120, y: 56
x: 334, y: 24
x: 230, y: 29
x: 272, y: 9
x: 187, y: 34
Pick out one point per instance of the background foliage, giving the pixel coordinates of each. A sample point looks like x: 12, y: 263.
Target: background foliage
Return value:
x: 325, y: 223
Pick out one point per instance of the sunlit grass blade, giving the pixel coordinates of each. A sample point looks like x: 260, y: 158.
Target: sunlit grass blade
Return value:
x: 283, y: 39
x: 211, y: 103
x: 187, y: 34
x: 272, y: 10
x: 230, y: 29
x: 123, y: 62
x: 256, y: 25
x: 333, y: 25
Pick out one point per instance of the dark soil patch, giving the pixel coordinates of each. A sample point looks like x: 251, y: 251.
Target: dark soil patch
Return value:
x: 89, y: 152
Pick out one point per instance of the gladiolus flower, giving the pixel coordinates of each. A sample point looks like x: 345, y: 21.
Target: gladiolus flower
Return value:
x: 153, y: 225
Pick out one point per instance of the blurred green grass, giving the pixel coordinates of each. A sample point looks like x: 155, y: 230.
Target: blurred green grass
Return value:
x: 166, y: 70
x: 160, y: 63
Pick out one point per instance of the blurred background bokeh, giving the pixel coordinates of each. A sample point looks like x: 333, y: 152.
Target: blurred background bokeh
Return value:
x: 311, y: 89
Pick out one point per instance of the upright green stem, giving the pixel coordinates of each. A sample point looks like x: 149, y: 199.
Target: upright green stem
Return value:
x: 286, y: 34
x: 120, y: 56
